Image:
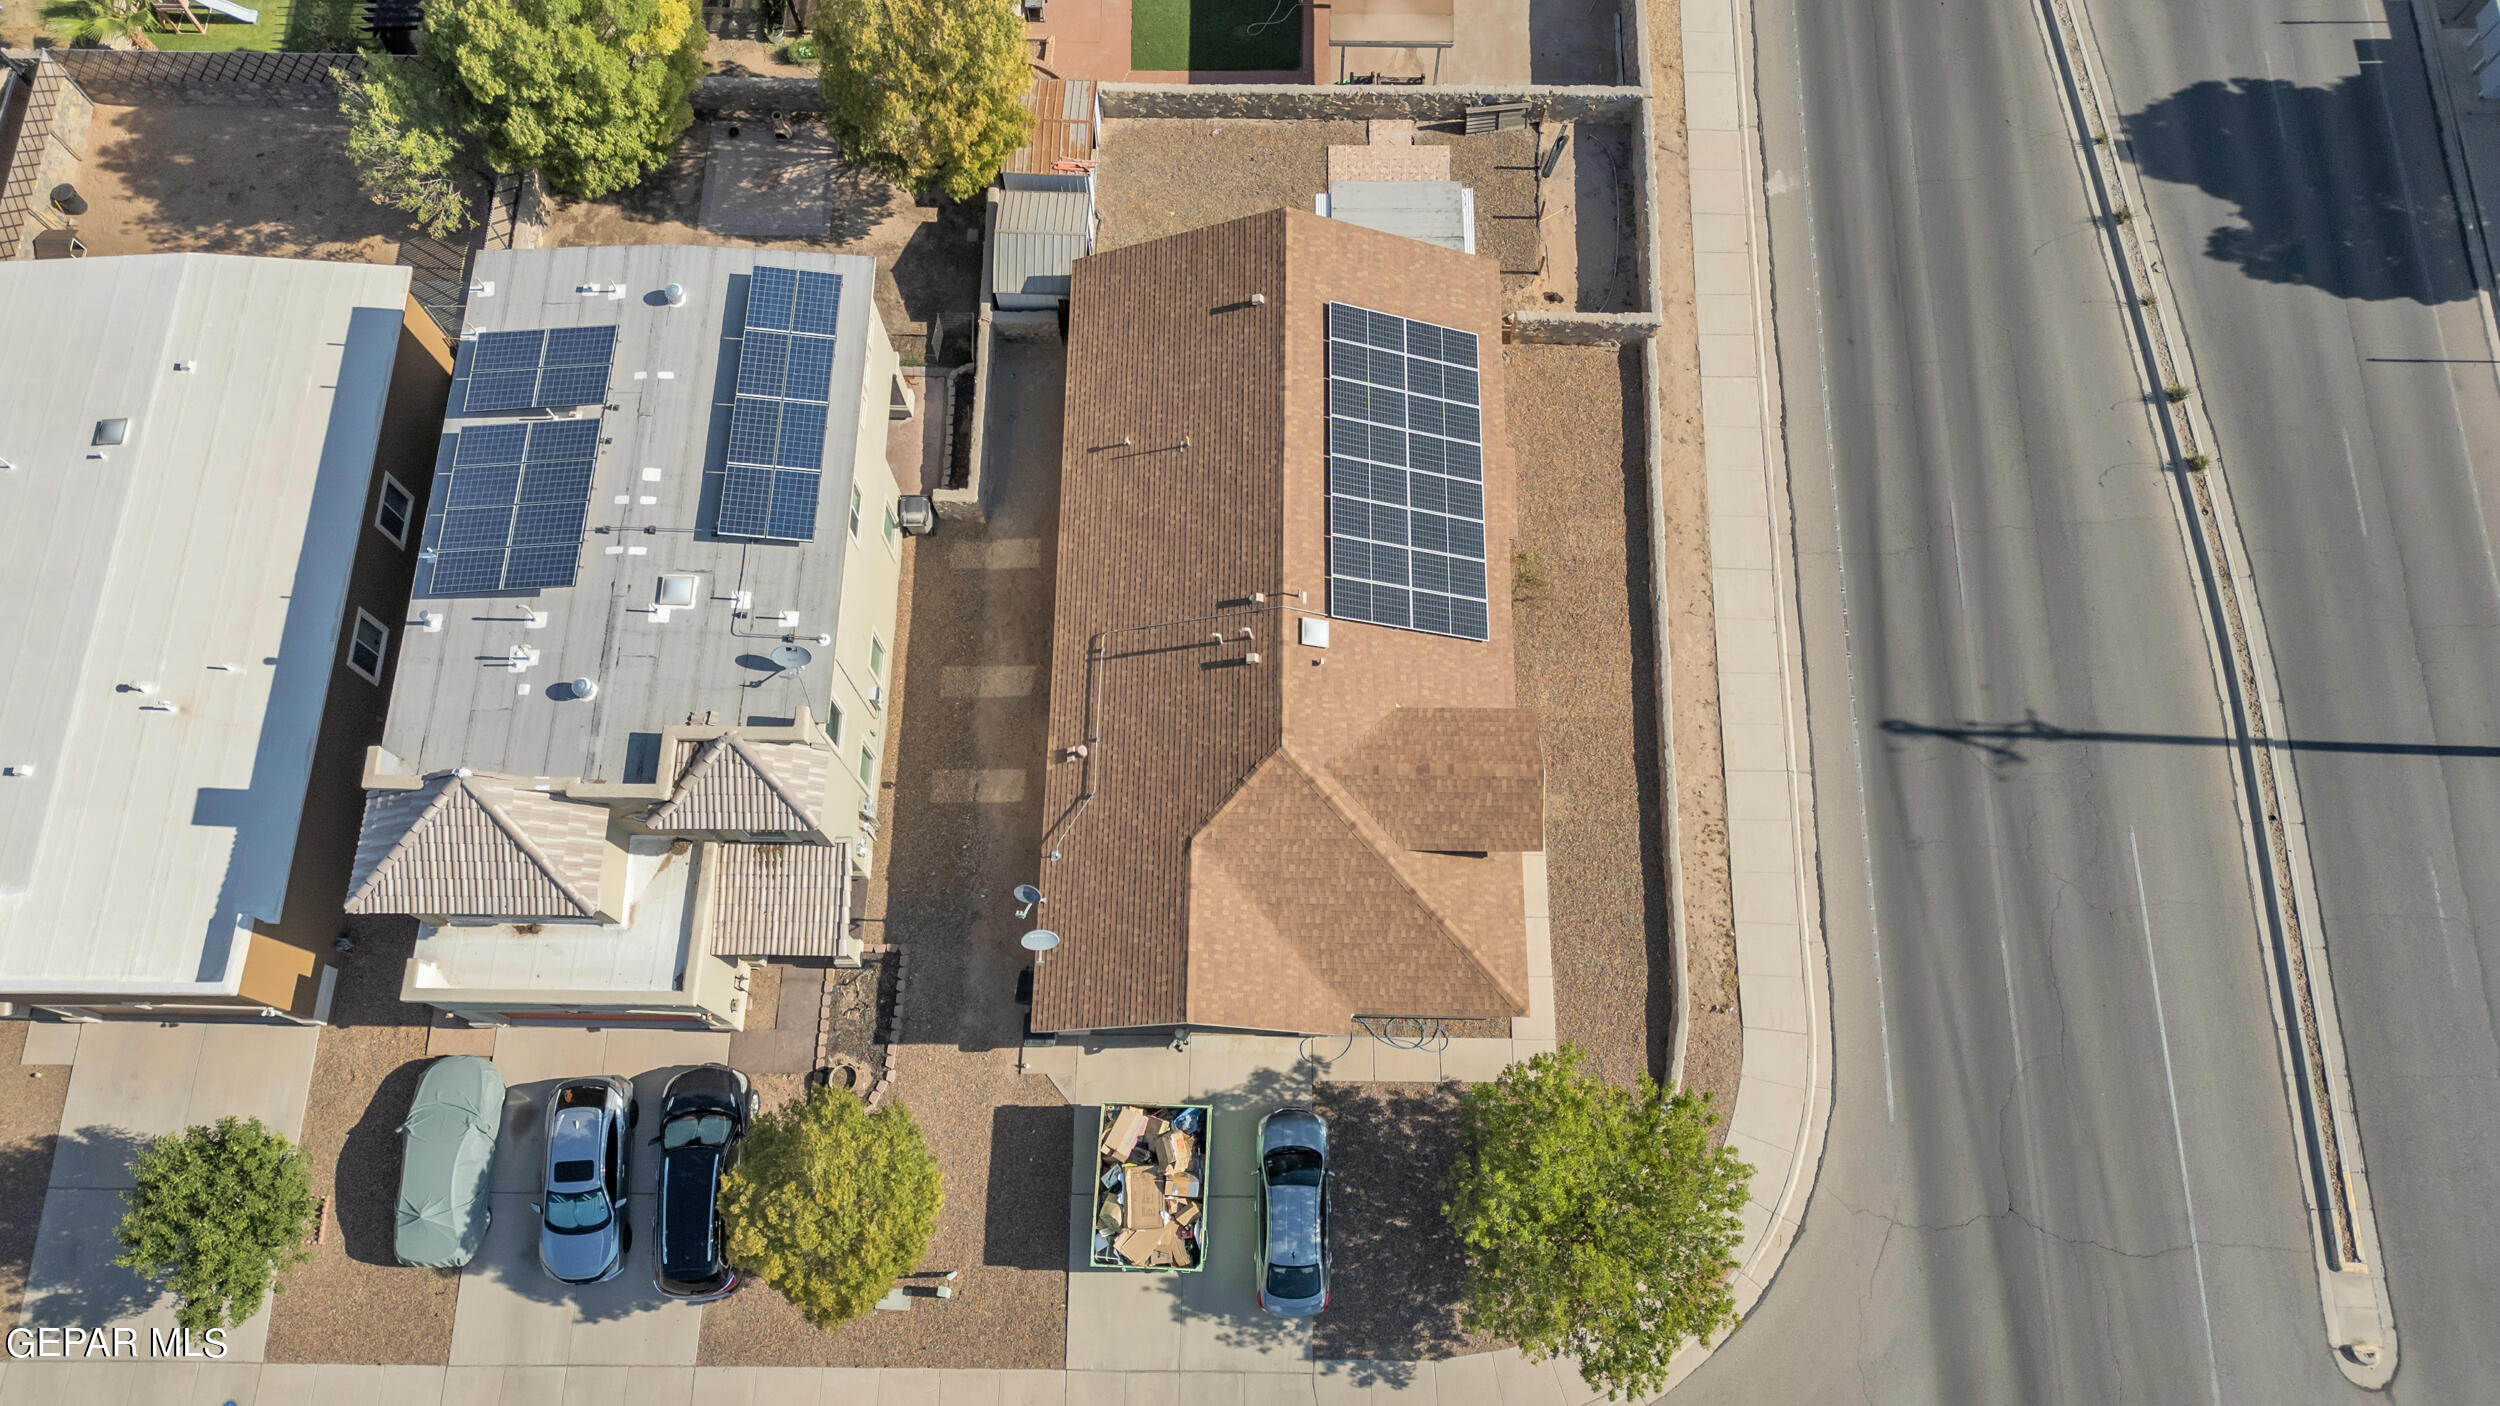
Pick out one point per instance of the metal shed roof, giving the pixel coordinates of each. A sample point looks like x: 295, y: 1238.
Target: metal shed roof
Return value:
x: 1041, y: 235
x: 1063, y: 127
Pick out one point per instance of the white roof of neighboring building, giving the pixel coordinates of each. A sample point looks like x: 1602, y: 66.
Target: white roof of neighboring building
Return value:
x: 206, y: 555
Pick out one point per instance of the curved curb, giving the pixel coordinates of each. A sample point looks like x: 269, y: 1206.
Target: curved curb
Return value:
x: 1784, y: 1092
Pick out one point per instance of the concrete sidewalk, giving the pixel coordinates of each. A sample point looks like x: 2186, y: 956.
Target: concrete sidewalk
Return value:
x: 1783, y: 1095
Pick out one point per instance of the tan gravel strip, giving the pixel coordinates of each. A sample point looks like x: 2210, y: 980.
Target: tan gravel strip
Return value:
x: 1585, y: 663
x: 354, y: 1302
x: 30, y: 1123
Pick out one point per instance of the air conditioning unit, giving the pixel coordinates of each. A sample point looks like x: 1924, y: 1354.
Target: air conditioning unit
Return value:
x: 917, y: 514
x: 876, y: 696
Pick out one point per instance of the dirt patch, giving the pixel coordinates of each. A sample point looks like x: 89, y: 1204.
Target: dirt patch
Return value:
x: 31, y: 1096
x: 229, y: 180
x: 355, y: 1302
x: 1398, y: 1273
x: 860, y: 1001
x: 1587, y: 663
x: 928, y: 263
x: 1714, y: 1040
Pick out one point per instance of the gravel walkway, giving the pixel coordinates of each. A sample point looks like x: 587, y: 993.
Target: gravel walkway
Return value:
x: 30, y: 1122
x: 354, y: 1302
x: 1587, y: 663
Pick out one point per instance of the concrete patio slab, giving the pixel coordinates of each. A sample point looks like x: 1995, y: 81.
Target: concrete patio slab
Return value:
x: 133, y: 1082
x: 51, y: 1042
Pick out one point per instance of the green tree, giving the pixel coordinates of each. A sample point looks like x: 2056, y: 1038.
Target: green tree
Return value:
x: 926, y: 93
x: 591, y: 94
x: 218, y: 1212
x: 1596, y: 1220
x: 406, y: 140
x: 102, y: 24
x: 832, y: 1203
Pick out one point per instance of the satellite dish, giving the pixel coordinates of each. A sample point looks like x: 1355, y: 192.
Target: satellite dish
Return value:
x: 1039, y: 940
x: 1026, y: 893
x: 792, y: 656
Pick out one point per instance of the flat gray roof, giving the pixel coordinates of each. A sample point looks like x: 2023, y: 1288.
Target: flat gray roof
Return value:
x: 178, y: 596
x: 1437, y: 212
x: 653, y: 500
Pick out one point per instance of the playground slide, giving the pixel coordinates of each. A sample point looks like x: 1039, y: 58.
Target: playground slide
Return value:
x: 233, y: 11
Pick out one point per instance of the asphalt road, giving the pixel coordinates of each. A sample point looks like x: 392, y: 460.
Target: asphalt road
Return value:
x: 2060, y: 1167
x: 2296, y: 180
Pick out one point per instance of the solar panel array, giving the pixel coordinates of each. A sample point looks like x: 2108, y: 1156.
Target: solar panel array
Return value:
x: 1405, y: 475
x: 507, y: 514
x: 777, y: 430
x: 542, y: 368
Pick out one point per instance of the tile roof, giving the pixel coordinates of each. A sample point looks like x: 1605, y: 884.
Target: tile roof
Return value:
x: 738, y: 784
x: 479, y: 845
x: 1219, y: 858
x: 780, y: 900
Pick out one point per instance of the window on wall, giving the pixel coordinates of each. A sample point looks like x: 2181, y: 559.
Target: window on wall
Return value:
x: 876, y: 656
x: 868, y: 770
x: 893, y: 526
x: 855, y: 510
x: 397, y: 508
x: 366, y: 646
x: 835, y: 731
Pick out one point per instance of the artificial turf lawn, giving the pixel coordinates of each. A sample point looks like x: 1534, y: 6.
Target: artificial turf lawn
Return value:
x: 1212, y: 36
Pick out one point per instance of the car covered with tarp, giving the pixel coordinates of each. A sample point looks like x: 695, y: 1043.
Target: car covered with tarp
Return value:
x: 447, y: 1162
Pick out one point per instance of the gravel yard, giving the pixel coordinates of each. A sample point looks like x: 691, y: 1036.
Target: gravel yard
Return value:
x: 1398, y: 1271
x: 229, y: 180
x: 1587, y: 663
x: 354, y: 1302
x: 30, y: 1123
x: 1163, y: 176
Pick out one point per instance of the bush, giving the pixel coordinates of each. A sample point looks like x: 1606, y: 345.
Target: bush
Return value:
x: 1595, y: 1220
x: 219, y: 1213
x: 832, y: 1203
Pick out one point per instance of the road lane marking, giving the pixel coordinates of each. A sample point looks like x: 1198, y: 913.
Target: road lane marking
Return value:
x: 1840, y: 573
x: 2196, y: 1248
x: 2354, y: 475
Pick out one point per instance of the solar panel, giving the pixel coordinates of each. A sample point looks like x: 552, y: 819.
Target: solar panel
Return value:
x: 510, y: 508
x: 541, y: 368
x: 777, y: 428
x: 1406, y: 541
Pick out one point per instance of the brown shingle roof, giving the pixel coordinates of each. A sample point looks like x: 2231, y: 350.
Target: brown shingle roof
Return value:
x: 479, y: 846
x: 1227, y: 870
x: 1452, y: 778
x: 780, y: 900
x: 736, y: 784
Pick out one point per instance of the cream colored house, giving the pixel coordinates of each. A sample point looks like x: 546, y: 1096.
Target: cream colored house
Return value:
x: 635, y: 740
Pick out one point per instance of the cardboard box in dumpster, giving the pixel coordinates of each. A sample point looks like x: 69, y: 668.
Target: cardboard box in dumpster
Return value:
x: 1149, y: 1188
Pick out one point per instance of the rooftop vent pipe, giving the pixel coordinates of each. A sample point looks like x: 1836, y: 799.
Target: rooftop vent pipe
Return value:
x: 676, y: 295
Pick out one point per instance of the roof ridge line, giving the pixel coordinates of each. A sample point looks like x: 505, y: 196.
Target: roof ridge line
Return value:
x: 771, y: 781
x: 712, y: 748
x: 1373, y: 832
x: 512, y: 830
x: 400, y: 845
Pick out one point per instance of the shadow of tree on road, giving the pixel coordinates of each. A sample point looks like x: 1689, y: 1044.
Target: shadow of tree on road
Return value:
x: 2322, y: 198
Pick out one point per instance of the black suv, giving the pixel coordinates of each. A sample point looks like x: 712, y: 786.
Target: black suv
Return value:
x: 702, y: 1116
